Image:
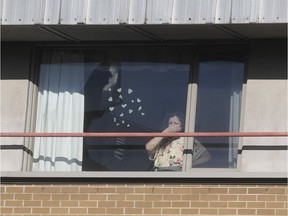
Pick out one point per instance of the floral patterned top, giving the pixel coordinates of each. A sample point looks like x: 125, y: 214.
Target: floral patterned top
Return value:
x: 170, y: 155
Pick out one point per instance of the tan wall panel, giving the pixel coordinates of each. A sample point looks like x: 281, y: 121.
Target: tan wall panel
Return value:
x: 15, y: 70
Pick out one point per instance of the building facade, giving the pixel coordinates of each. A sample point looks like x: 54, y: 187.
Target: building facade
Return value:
x: 109, y: 68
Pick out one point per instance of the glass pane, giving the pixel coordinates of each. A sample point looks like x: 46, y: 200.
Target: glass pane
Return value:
x: 130, y: 92
x: 218, y: 109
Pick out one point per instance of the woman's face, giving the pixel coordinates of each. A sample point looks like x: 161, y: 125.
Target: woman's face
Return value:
x: 174, y: 124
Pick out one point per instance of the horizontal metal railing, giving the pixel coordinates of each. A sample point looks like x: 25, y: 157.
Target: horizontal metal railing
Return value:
x: 146, y: 134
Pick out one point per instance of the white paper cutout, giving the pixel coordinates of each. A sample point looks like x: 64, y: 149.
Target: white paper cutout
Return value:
x: 128, y: 105
x: 130, y: 91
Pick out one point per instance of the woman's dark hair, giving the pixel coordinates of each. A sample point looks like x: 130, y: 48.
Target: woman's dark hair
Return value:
x: 179, y: 115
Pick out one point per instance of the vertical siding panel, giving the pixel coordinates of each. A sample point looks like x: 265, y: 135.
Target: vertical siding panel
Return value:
x: 10, y: 8
x: 137, y: 11
x: 223, y: 11
x: 273, y: 11
x: 167, y: 14
x: 159, y: 11
x: 212, y: 13
x: 7, y: 11
x: 82, y: 11
x: 18, y: 12
x: 280, y: 11
x: 52, y: 12
x: 39, y: 11
x: 204, y: 11
x: 73, y: 11
x: 265, y: 10
x: 191, y: 10
x: 20, y: 8
x: 106, y: 11
x: 93, y: 12
x: 178, y: 14
x: 66, y: 11
x: 113, y: 10
x: 1, y: 10
x: 114, y: 17
x: 254, y: 11
x: 240, y: 12
x: 124, y: 11
x: 30, y: 12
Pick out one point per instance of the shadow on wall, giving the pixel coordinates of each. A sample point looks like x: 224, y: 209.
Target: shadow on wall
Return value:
x: 16, y: 61
x: 268, y: 59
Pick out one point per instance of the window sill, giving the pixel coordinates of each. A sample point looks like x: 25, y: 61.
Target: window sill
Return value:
x: 202, y: 174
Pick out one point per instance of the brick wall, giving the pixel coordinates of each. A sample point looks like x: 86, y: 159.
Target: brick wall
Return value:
x: 143, y: 199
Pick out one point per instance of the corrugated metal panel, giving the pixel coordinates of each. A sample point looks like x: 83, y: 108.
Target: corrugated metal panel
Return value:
x: 27, y: 12
x: 124, y: 11
x: 159, y: 11
x: 241, y: 11
x: 13, y: 12
x: 52, y: 12
x: 1, y: 9
x: 73, y: 11
x: 223, y: 11
x: 194, y: 11
x: 280, y: 11
x: 137, y: 11
x: 273, y: 11
x: 104, y: 11
x: 2, y: 12
x: 254, y: 11
x: 39, y: 7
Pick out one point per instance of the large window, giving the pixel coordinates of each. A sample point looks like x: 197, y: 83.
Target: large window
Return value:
x: 134, y: 89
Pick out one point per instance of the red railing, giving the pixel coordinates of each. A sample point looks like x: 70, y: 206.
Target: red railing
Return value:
x: 137, y: 134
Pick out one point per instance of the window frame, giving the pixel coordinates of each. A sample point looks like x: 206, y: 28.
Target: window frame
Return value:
x: 192, y: 104
x: 190, y: 107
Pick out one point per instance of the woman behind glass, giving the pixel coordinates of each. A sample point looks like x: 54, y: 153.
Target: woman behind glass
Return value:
x: 167, y: 152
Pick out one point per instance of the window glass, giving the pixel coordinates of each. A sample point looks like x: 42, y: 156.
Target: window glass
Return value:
x: 218, y: 109
x: 135, y: 89
x: 148, y: 84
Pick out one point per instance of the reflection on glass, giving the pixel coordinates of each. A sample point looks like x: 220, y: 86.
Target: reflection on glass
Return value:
x: 135, y: 100
x: 218, y: 109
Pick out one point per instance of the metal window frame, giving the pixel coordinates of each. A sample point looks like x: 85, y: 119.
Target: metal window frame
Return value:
x: 191, y: 105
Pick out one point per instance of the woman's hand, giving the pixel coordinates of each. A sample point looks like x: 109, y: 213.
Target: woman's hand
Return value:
x: 173, y: 128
